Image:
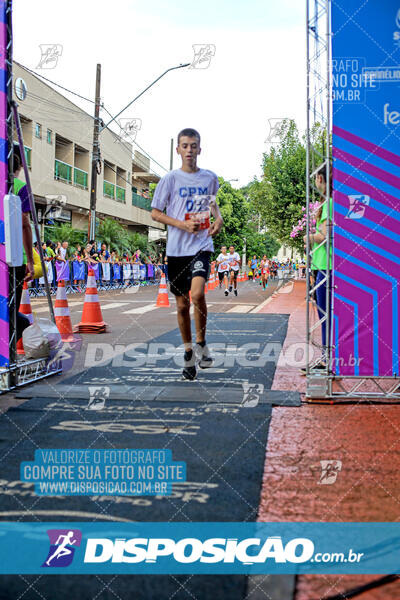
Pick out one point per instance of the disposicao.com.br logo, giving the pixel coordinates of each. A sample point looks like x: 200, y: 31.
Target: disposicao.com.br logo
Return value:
x: 192, y: 550
x: 242, y: 548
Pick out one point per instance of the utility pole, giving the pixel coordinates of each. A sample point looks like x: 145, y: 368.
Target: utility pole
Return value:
x: 244, y: 268
x: 96, y: 164
x: 171, y: 155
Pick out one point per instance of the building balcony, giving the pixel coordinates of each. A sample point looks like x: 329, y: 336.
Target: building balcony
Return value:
x: 109, y: 189
x: 120, y: 194
x: 81, y: 178
x: 141, y: 202
x: 63, y: 171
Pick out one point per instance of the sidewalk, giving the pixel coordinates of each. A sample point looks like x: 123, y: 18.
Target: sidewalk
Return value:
x: 364, y: 438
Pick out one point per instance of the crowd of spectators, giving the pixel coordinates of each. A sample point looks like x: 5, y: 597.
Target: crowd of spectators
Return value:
x: 123, y: 268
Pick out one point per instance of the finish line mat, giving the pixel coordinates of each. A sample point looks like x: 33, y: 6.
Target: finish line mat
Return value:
x: 247, y: 348
x: 223, y: 446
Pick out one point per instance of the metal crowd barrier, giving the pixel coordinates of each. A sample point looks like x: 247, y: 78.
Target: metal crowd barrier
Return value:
x: 108, y: 276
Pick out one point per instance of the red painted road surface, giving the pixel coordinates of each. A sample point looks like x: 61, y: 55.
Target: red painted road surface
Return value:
x: 365, y: 438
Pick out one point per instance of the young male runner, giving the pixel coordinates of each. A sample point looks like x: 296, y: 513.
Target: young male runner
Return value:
x: 223, y: 268
x: 185, y: 195
x: 234, y: 266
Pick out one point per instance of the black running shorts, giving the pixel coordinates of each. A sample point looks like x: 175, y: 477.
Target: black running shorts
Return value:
x: 235, y: 273
x: 221, y: 274
x: 181, y: 270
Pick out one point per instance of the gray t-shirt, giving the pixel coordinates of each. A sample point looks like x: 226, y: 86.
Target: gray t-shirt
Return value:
x: 183, y: 196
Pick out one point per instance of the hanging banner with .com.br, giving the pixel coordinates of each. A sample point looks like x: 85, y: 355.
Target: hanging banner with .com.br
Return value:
x: 4, y: 320
x: 199, y: 548
x: 366, y: 186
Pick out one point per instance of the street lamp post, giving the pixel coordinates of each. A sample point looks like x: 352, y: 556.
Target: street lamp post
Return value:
x: 96, y: 145
x: 141, y: 93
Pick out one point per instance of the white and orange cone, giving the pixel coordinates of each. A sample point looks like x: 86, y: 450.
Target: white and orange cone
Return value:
x: 62, y: 315
x: 92, y: 319
x: 26, y: 309
x: 162, y: 298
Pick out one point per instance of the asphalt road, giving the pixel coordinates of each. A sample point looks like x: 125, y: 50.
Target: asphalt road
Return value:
x: 132, y: 317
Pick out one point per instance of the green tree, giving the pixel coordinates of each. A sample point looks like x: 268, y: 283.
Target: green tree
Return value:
x: 136, y: 241
x: 113, y: 234
x: 281, y: 193
x: 152, y: 189
x: 241, y: 223
x: 65, y: 233
x: 232, y: 205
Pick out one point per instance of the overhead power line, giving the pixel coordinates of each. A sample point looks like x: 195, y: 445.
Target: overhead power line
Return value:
x: 58, y: 85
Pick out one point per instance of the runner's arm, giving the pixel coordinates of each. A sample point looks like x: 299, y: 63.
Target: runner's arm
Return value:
x: 189, y: 225
x: 217, y: 225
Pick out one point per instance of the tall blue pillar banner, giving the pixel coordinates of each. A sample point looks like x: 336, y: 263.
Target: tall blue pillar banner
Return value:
x: 366, y: 186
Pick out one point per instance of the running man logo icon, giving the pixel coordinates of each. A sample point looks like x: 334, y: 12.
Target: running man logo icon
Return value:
x: 330, y: 471
x: 62, y: 546
x: 64, y: 356
x: 275, y: 130
x: 128, y: 129
x: 55, y: 205
x: 50, y: 55
x: 251, y: 394
x: 98, y: 396
x: 203, y: 54
x: 357, y: 205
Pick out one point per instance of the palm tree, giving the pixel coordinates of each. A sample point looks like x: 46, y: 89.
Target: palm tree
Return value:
x: 65, y: 233
x: 113, y: 234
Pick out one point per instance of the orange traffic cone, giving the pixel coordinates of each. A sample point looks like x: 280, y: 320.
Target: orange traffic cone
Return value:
x: 92, y: 319
x: 211, y: 284
x: 26, y: 309
x: 61, y: 313
x: 162, y: 298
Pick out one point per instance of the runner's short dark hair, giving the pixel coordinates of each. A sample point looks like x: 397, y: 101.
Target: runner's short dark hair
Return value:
x: 188, y: 132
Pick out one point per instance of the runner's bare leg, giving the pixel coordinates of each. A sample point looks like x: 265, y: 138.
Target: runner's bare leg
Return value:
x: 183, y: 310
x: 200, y: 307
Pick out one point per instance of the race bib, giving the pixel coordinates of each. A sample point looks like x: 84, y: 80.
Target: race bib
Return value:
x: 198, y: 209
x: 203, y: 218
x: 224, y: 267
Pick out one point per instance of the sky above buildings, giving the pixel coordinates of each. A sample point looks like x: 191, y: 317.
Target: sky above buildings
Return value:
x: 256, y: 74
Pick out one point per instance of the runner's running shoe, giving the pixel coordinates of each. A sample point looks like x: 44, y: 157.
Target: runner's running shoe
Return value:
x: 230, y: 288
x: 203, y: 355
x: 226, y: 293
x: 189, y: 365
x: 235, y: 292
